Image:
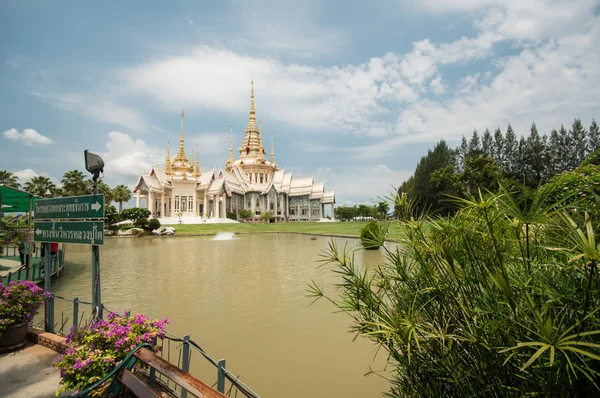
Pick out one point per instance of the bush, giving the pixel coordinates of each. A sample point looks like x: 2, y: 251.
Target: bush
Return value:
x: 231, y: 215
x: 245, y: 214
x: 498, y: 300
x: 95, y: 350
x: 372, y: 235
x: 142, y: 223
x: 153, y: 224
x: 134, y: 214
x: 267, y: 216
x: 19, y: 302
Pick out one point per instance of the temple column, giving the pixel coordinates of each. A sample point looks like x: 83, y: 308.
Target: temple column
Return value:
x: 205, y: 207
x: 137, y: 199
x: 215, y: 206
x: 252, y: 199
x: 162, y: 204
x: 275, y: 207
x: 150, y: 202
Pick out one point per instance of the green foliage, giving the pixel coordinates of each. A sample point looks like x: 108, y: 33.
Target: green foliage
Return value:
x: 74, y: 183
x: 231, y: 215
x: 9, y: 179
x: 372, y: 235
x: 19, y: 302
x: 134, y: 214
x: 153, y: 224
x: 95, y: 350
x: 141, y: 223
x: 267, y: 216
x: 111, y: 216
x: 121, y: 194
x: 245, y: 214
x: 39, y: 185
x: 499, y: 299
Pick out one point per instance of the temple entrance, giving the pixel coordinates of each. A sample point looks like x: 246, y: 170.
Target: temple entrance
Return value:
x: 184, y: 204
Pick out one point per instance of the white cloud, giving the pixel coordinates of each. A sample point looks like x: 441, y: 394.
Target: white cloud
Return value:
x: 127, y: 157
x: 26, y: 174
x: 437, y: 85
x: 100, y: 107
x: 28, y: 137
x: 362, y: 185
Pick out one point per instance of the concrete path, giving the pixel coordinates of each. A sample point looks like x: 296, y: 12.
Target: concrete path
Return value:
x: 28, y: 372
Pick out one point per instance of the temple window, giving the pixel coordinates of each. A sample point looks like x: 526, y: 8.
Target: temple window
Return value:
x: 292, y: 212
x: 191, y: 203
x: 176, y: 203
x: 261, y: 178
x: 184, y: 207
x: 247, y: 150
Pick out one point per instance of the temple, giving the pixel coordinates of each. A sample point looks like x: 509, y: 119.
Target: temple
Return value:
x: 250, y: 182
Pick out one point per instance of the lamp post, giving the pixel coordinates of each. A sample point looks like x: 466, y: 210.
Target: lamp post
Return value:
x: 95, y: 165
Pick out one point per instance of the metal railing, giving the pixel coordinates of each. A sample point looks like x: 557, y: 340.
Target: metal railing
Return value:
x: 36, y: 270
x: 182, y: 348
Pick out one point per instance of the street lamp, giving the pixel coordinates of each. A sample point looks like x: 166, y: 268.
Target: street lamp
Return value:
x: 95, y: 165
x: 48, y: 194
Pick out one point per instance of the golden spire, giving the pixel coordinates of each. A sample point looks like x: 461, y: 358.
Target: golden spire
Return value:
x: 260, y: 137
x: 231, y: 159
x: 197, y: 168
x: 181, y: 153
x: 168, y: 159
x: 272, y: 149
x: 252, y: 111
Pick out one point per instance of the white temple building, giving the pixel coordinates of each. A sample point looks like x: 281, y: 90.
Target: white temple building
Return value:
x: 251, y: 182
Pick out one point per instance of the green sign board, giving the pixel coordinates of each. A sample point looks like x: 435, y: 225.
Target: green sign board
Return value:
x: 73, y: 207
x: 78, y: 232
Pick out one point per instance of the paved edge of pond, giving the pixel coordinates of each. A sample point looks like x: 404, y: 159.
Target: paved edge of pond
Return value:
x: 28, y: 372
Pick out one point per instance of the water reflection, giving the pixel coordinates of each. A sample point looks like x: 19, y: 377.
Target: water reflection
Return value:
x: 242, y: 299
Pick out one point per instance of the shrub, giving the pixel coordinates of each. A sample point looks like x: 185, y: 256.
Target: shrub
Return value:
x: 245, y: 214
x: 476, y: 305
x: 97, y: 349
x: 134, y: 214
x: 231, y: 215
x: 267, y: 216
x: 372, y: 235
x: 142, y: 223
x: 153, y: 224
x: 19, y: 302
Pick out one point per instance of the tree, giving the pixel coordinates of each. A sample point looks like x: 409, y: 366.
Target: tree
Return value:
x: 245, y: 214
x: 593, y: 137
x: 511, y: 153
x: 121, y: 194
x: 102, y: 189
x: 111, y: 216
x: 487, y: 144
x: 9, y: 179
x: 73, y: 183
x: 474, y: 144
x: 463, y: 152
x: 134, y: 213
x: 383, y: 208
x: 554, y: 153
x: 579, y: 145
x: 39, y: 185
x: 535, y: 158
x: 267, y: 216
x: 498, y: 154
x: 565, y: 155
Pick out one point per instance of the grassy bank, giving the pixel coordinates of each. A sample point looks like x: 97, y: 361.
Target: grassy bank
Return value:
x: 317, y: 228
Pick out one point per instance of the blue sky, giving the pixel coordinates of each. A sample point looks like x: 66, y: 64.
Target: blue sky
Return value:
x: 355, y: 92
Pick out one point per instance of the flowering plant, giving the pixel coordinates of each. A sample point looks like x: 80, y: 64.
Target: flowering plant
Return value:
x: 19, y: 302
x: 97, y: 349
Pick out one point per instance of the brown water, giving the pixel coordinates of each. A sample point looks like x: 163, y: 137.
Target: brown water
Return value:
x: 243, y: 300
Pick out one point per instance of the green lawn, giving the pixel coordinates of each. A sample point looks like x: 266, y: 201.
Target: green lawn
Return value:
x: 317, y: 228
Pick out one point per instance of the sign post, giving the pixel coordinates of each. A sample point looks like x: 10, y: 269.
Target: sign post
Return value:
x: 89, y: 232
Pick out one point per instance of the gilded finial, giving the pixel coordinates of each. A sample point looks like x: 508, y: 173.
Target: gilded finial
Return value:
x: 182, y: 114
x: 197, y: 168
x: 231, y: 159
x: 272, y: 149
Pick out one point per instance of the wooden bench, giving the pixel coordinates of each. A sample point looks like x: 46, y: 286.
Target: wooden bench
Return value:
x: 125, y: 381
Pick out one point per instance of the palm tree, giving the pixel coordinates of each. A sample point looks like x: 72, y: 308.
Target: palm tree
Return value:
x: 74, y: 184
x: 38, y: 186
x: 121, y: 194
x: 9, y: 179
x: 103, y: 189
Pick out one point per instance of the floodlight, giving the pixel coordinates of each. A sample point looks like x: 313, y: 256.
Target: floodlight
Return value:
x: 93, y: 163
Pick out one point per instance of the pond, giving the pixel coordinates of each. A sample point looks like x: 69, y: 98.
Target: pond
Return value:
x: 244, y: 300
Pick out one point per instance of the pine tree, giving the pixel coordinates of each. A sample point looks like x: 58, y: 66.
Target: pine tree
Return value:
x: 474, y: 144
x: 462, y: 153
x: 487, y: 144
x: 522, y: 168
x: 593, y: 137
x: 511, y: 153
x: 534, y: 157
x: 565, y: 155
x: 554, y: 153
x: 578, y: 143
x: 498, y: 154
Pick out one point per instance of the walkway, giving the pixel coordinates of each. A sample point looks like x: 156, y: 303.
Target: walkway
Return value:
x: 28, y: 372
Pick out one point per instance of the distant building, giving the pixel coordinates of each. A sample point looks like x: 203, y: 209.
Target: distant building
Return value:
x: 251, y: 182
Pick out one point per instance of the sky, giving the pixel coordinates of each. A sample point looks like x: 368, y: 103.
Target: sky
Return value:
x: 354, y: 92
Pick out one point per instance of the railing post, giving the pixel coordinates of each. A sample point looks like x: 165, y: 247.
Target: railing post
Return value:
x: 50, y: 315
x: 19, y: 275
x: 185, y: 363
x: 75, y: 311
x: 9, y: 275
x: 152, y: 370
x: 221, y: 376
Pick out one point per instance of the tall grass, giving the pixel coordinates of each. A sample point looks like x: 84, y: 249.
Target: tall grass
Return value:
x: 498, y: 300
